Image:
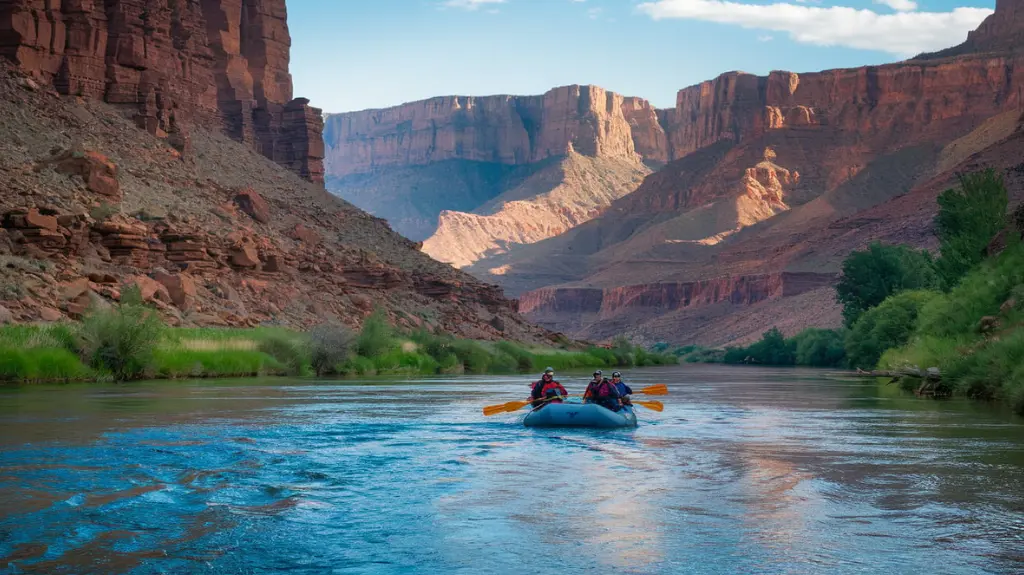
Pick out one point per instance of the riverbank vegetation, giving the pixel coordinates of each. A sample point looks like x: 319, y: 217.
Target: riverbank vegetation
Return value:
x: 129, y: 342
x: 906, y: 311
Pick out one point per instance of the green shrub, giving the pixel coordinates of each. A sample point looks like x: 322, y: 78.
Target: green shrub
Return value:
x: 377, y: 336
x: 979, y: 294
x: 358, y: 365
x: 403, y: 362
x: 969, y: 217
x: 820, y: 348
x: 872, y: 275
x: 121, y: 340
x: 886, y: 326
x: 772, y: 349
x: 605, y: 357
x: 330, y: 346
x: 524, y: 360
x: 290, y: 350
x: 474, y: 357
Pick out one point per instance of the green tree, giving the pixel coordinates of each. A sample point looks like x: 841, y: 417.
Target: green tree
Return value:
x: 820, y: 348
x: 886, y: 326
x: 872, y: 275
x: 969, y: 217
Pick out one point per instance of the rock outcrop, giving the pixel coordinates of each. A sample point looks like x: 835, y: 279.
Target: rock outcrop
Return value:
x: 509, y: 130
x: 218, y: 62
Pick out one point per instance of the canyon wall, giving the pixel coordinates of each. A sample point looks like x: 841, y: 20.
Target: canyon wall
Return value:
x: 174, y: 63
x: 668, y: 296
x: 509, y: 130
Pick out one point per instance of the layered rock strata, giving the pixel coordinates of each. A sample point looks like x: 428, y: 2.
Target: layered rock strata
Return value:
x: 174, y: 62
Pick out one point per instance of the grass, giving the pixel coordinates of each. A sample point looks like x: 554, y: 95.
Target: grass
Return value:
x: 125, y: 343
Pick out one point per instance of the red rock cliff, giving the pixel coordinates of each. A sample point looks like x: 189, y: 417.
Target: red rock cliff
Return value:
x: 509, y: 130
x: 899, y: 103
x: 668, y: 296
x: 175, y: 62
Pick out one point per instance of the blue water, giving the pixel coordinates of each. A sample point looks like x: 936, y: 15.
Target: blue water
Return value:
x: 746, y: 471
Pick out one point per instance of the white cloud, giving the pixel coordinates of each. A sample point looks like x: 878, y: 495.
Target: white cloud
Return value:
x: 764, y: 38
x: 899, y: 5
x: 470, y: 4
x: 904, y: 33
x: 594, y: 13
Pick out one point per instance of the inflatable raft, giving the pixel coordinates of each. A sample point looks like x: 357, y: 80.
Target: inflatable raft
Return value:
x: 579, y: 415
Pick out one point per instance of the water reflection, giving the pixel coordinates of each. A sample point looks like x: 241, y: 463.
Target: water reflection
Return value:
x: 746, y: 471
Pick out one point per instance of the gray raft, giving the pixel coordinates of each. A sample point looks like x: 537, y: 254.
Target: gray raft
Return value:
x: 580, y: 415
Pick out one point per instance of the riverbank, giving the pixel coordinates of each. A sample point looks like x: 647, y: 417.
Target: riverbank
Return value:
x: 946, y: 326
x: 128, y: 342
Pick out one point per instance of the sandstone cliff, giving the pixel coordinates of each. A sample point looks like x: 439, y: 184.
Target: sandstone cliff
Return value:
x: 174, y: 63
x: 509, y: 130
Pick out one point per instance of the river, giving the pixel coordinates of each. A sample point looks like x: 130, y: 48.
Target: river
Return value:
x: 747, y: 470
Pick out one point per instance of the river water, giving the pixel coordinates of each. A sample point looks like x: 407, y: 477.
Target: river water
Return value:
x: 747, y: 470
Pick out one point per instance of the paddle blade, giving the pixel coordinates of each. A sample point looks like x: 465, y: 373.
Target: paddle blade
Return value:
x: 494, y: 409
x: 515, y: 405
x: 652, y: 405
x: 660, y: 389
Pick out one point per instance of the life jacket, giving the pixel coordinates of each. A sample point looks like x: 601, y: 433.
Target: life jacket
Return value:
x: 601, y: 391
x: 552, y: 389
x: 543, y: 389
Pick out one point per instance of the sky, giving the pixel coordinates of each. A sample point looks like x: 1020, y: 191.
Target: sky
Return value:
x: 352, y: 55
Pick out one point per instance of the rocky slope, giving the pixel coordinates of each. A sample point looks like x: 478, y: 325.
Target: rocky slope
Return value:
x: 212, y: 230
x: 549, y: 202
x: 172, y: 64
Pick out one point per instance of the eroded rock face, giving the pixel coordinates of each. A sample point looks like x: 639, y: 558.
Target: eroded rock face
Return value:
x: 510, y: 130
x: 668, y: 296
x: 174, y: 62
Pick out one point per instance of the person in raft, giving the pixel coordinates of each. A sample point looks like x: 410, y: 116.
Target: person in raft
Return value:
x: 547, y: 390
x: 624, y: 390
x: 602, y: 392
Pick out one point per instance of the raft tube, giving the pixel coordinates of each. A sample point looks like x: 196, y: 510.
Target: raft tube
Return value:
x: 580, y: 415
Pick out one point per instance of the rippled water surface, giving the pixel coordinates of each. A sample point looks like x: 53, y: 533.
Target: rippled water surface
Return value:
x: 746, y: 471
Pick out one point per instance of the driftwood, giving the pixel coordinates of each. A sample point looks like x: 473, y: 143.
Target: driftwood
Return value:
x: 930, y: 378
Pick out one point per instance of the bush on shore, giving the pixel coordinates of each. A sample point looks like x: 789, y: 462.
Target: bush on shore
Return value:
x: 128, y: 341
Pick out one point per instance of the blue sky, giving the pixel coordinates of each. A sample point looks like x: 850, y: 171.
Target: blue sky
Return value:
x: 352, y: 54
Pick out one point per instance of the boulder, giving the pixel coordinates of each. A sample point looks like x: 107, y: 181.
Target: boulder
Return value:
x: 245, y: 256
x: 6, y: 316
x: 95, y: 169
x: 253, y: 204
x: 180, y: 287
x: 151, y: 290
x: 305, y: 235
x: 49, y: 314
